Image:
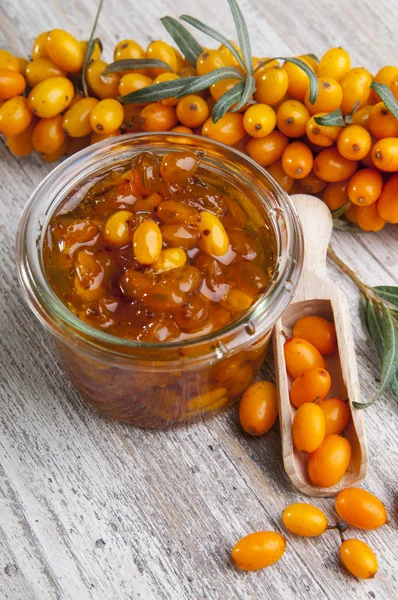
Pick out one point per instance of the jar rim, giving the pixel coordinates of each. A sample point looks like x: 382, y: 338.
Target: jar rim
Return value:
x: 57, y: 317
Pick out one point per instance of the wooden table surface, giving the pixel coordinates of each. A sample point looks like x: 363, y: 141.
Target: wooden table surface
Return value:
x: 97, y: 510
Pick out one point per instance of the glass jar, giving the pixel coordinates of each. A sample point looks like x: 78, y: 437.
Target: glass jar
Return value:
x: 160, y: 384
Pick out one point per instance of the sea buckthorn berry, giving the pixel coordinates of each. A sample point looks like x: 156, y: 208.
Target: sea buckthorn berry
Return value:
x: 361, y: 116
x: 385, y: 154
x: 298, y: 80
x: 172, y: 211
x: 55, y: 155
x: 224, y: 85
x: 321, y: 135
x: 148, y: 203
x: 329, y: 98
x: 308, y: 428
x: 334, y: 63
x: 258, y: 409
x: 266, y: 62
x: 385, y: 75
x: 388, y: 204
x: 271, y: 86
x: 129, y: 49
x: 361, y: 509
x: 76, y: 121
x: 49, y: 135
x: 11, y: 84
x: 161, y: 51
x: 22, y: 64
x: 98, y: 137
x: 208, y: 61
x: 21, y: 144
x: 320, y: 332
x: 41, y: 69
x: 258, y: 550
x: 96, y: 52
x: 172, y: 101
x: 311, y: 184
x: 358, y: 558
x: 178, y: 167
x: 131, y: 82
x: 74, y: 145
x: 170, y: 258
x: 330, y: 166
x: 102, y: 86
x: 354, y: 142
x: 382, y: 123
x: 229, y: 58
x: 207, y: 399
x: 229, y: 129
x: 297, y: 160
x: 8, y: 61
x: 157, y: 117
x: 259, y: 120
x: 182, y: 235
x: 90, y: 276
x: 356, y: 88
x: 337, y: 414
x: 187, y: 278
x: 182, y: 129
x: 313, y: 384
x: 145, y: 169
x: 194, y: 312
x: 327, y: 465
x: 15, y: 116
x: 117, y: 230
x: 192, y: 111
x: 268, y: 149
x: 300, y: 356
x: 147, y: 243
x: 365, y: 187
x: 51, y: 97
x: 350, y: 213
x: 304, y: 519
x: 335, y: 194
x: 394, y: 87
x: 65, y: 50
x: 213, y: 237
x: 39, y: 48
x: 188, y: 71
x: 165, y: 297
x: 135, y: 284
x: 368, y: 217
x: 106, y: 116
x: 291, y: 118
x: 278, y: 173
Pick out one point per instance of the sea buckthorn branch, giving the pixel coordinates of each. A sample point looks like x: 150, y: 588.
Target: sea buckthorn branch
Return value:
x: 90, y: 48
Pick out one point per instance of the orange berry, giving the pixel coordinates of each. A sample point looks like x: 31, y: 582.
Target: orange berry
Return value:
x: 218, y: 89
x: 337, y: 414
x: 229, y: 58
x: 192, y: 111
x: 334, y: 63
x: 320, y: 332
x: 172, y: 101
x: 8, y: 61
x: 21, y: 144
x: 291, y: 118
x: 157, y: 117
x: 360, y: 508
x: 311, y: 184
x: 354, y: 142
x: 313, y: 384
x: 259, y: 120
x: 229, y: 129
x: 297, y: 160
x: 39, y: 48
x: 15, y: 116
x: 11, y: 84
x: 359, y: 559
x: 327, y: 465
x: 368, y: 217
x: 300, y: 356
x: 385, y: 75
x: 356, y: 88
x: 388, y: 201
x: 271, y: 86
x: 321, y: 135
x: 365, y: 187
x: 330, y: 166
x: 182, y: 129
x: 102, y: 86
x: 277, y: 172
x: 329, y: 98
x: 361, y: 116
x: 382, y: 123
x: 258, y: 409
x: 268, y: 149
x: 65, y: 50
x: 208, y: 61
x: 385, y: 154
x: 258, y: 550
x: 336, y: 194
x: 298, y: 80
x: 264, y: 65
x: 131, y: 82
x: 129, y: 49
x: 308, y: 428
x: 49, y: 135
x: 161, y: 51
x: 350, y: 212
x: 41, y: 69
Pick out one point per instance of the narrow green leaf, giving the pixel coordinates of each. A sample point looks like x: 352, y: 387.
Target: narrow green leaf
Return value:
x: 394, y: 387
x: 90, y: 48
x: 389, y: 363
x: 213, y: 34
x: 248, y: 90
x: 243, y: 35
x: 333, y: 119
x: 389, y: 293
x: 227, y: 100
x: 155, y: 92
x: 130, y: 64
x: 338, y: 212
x: 363, y: 306
x: 184, y: 40
x: 387, y: 96
x: 201, y: 83
x: 375, y: 328
x: 262, y: 63
x: 342, y: 225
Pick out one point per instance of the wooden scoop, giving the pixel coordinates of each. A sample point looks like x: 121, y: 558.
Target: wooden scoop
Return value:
x: 316, y: 295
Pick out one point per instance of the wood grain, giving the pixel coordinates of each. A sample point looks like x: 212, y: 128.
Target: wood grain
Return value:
x: 97, y: 510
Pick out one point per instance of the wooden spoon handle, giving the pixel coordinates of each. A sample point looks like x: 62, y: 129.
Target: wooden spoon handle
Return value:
x: 317, y: 225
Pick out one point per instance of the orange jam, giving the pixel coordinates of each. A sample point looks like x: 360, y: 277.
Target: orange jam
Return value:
x: 163, y: 251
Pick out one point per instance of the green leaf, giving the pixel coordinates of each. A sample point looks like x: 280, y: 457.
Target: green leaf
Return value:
x: 213, y: 34
x: 387, y: 96
x: 333, y: 119
x: 201, y: 83
x: 243, y: 35
x: 90, y: 49
x: 155, y: 92
x: 375, y: 328
x: 129, y: 64
x: 227, y: 100
x: 389, y: 362
x: 184, y: 40
x: 342, y: 225
x: 363, y: 306
x: 389, y: 293
x: 248, y: 90
x: 338, y: 212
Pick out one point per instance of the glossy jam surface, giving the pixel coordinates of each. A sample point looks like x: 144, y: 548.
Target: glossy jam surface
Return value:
x: 160, y: 251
